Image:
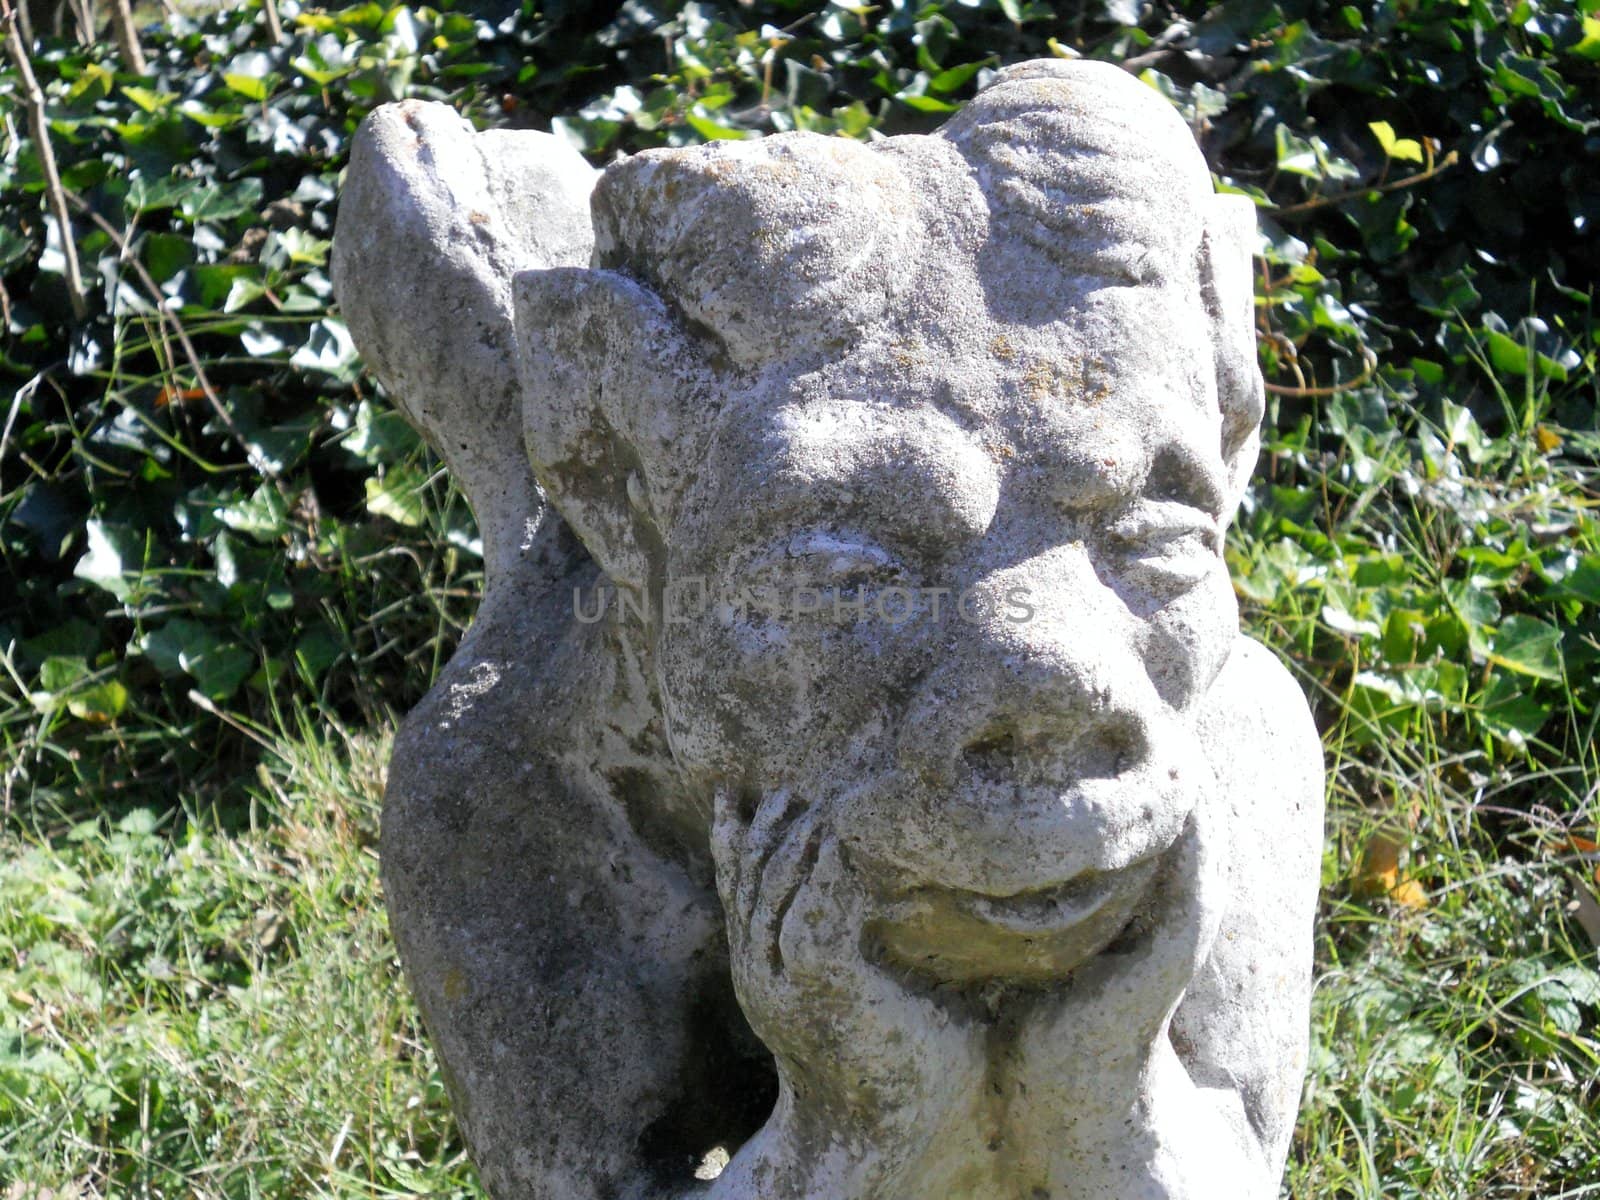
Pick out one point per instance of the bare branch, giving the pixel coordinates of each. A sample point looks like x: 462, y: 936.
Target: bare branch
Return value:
x: 127, y: 36
x: 269, y: 9
x: 1444, y: 164
x: 33, y: 101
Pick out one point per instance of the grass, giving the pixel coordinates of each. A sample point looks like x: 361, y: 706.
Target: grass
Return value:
x: 1453, y: 1050
x: 1454, y: 1045
x: 199, y: 1006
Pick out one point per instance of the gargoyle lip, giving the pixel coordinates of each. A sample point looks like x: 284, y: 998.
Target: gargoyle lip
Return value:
x: 1036, y: 935
x: 1060, y: 907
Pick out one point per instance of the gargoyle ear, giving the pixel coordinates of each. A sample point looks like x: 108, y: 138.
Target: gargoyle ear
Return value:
x: 616, y: 403
x: 1228, y: 291
x: 434, y: 219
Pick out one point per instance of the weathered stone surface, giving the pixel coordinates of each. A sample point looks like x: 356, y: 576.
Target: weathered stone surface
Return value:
x: 913, y: 820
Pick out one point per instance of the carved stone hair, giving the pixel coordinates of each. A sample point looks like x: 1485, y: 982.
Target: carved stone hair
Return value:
x: 717, y: 267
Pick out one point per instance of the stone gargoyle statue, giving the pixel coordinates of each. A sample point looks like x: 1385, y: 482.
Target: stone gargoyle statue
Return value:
x: 855, y: 775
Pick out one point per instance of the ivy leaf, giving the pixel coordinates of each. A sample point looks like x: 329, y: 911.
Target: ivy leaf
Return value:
x: 218, y: 668
x: 1589, y: 47
x: 251, y: 87
x: 217, y: 665
x: 263, y: 515
x: 222, y: 203
x: 113, y: 556
x: 713, y: 130
x: 148, y: 100
x: 101, y: 702
x: 926, y: 104
x: 1508, y: 711
x: 65, y: 681
x: 1395, y: 147
x: 328, y: 349
x: 59, y: 674
x: 397, y: 496
x: 1528, y: 646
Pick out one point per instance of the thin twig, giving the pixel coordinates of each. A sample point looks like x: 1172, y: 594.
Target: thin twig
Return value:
x: 1444, y: 164
x: 25, y: 392
x: 33, y: 101
x: 127, y: 35
x: 83, y: 15
x: 159, y: 300
x: 1349, y: 385
x: 202, y: 701
x: 269, y: 9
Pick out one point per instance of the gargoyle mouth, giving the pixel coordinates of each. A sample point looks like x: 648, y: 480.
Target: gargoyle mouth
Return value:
x: 1029, y: 937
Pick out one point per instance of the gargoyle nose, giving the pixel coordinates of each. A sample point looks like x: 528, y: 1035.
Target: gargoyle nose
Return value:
x: 1038, y: 754
x: 1047, y: 690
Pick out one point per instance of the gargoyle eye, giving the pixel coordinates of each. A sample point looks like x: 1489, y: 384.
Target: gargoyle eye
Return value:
x: 1165, y: 546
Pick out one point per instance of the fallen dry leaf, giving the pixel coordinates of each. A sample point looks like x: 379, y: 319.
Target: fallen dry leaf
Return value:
x: 1410, y: 893
x: 1379, y: 875
x: 1587, y: 909
x: 1379, y: 872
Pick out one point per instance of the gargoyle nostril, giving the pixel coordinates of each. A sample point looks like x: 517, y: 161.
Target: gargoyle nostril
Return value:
x: 1108, y: 750
x: 1103, y: 750
x: 992, y: 754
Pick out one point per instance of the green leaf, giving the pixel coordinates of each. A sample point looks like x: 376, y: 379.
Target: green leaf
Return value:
x: 1405, y: 631
x: 263, y: 515
x: 95, y: 76
x: 101, y: 702
x: 74, y: 638
x: 210, y: 118
x: 217, y: 669
x: 1477, y: 609
x: 164, y: 646
x: 380, y: 436
x: 713, y: 130
x: 1461, y: 429
x: 165, y: 191
x: 242, y: 292
x: 1524, y: 76
x: 1395, y: 147
x: 927, y: 104
x: 114, y: 554
x: 328, y: 349
x: 1589, y: 47
x: 1506, y: 354
x: 217, y: 665
x: 14, y: 247
x: 1528, y: 646
x: 397, y: 496
x: 221, y: 202
x: 251, y: 87
x: 148, y: 100
x: 303, y: 248
x: 1582, y: 582
x: 64, y: 681
x: 316, y: 651
x: 166, y: 254
x: 1311, y: 157
x: 60, y: 674
x: 953, y: 78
